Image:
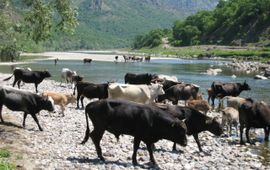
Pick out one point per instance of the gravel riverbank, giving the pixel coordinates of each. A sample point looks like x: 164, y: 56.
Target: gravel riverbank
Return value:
x: 57, y: 147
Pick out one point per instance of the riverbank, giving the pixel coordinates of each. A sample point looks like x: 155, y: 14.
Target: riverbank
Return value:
x: 57, y: 147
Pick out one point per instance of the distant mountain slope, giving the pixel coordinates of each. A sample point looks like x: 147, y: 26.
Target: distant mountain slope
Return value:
x: 114, y: 23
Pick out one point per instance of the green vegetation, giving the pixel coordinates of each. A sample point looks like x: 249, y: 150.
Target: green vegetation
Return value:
x: 24, y: 24
x: 4, y: 153
x: 234, y: 22
x: 4, y: 163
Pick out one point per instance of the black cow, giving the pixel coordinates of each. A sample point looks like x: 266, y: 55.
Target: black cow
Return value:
x: 195, y: 121
x: 139, y: 78
x: 29, y: 103
x: 146, y: 123
x: 256, y: 115
x: 91, y: 91
x: 27, y: 76
x: 168, y: 83
x: 221, y: 90
x: 87, y: 60
x: 180, y: 92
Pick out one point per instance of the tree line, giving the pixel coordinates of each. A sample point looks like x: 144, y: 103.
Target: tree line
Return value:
x: 231, y: 22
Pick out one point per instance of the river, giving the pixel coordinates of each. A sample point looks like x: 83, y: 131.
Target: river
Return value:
x: 189, y: 71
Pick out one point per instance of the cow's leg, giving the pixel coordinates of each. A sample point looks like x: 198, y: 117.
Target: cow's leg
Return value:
x: 82, y: 97
x: 62, y: 109
x: 78, y: 99
x: 19, y: 84
x: 230, y: 131
x: 241, y: 134
x: 213, y: 100
x: 197, y: 141
x: 149, y: 148
x: 174, y: 146
x: 136, y: 145
x: 266, y: 133
x: 24, y: 117
x: 96, y: 137
x: 36, y: 85
x: 14, y: 82
x: 36, y: 120
x: 1, y: 106
x: 247, y: 134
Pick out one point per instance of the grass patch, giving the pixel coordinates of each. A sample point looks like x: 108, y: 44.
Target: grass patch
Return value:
x: 6, y: 165
x: 4, y: 153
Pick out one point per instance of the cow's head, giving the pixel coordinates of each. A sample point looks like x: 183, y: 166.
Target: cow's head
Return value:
x: 214, y: 126
x: 71, y: 98
x: 48, y: 103
x: 245, y: 86
x: 178, y: 132
x: 46, y: 74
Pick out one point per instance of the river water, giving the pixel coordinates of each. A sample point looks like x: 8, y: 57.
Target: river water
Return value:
x: 189, y: 71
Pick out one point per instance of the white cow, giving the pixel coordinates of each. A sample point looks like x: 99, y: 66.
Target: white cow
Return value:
x: 167, y: 77
x: 67, y: 75
x: 230, y: 117
x: 145, y: 94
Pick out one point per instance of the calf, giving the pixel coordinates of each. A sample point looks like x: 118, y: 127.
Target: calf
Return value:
x: 180, y: 92
x: 29, y: 103
x: 60, y: 99
x: 234, y: 102
x: 254, y: 114
x: 91, y: 91
x: 195, y: 121
x: 201, y: 105
x: 26, y: 76
x: 145, y: 94
x: 145, y: 122
x: 230, y: 117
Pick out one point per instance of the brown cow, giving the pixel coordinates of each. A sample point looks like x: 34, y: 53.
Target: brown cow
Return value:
x: 60, y: 99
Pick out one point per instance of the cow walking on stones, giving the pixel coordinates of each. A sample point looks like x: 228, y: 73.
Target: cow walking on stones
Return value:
x: 26, y: 76
x: 195, y: 121
x: 145, y: 122
x: 256, y: 115
x: 20, y: 100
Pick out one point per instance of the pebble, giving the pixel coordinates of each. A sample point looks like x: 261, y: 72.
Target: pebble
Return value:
x: 58, y: 146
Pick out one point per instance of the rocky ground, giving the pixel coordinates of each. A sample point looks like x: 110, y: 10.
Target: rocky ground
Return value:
x: 58, y: 146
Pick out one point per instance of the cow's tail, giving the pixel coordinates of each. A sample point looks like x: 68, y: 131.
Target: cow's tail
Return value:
x: 87, y: 132
x: 6, y: 79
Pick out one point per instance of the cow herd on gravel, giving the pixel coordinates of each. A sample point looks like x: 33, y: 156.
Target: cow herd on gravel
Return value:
x: 145, y: 107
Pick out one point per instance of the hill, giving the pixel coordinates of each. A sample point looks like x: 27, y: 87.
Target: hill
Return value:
x: 114, y: 24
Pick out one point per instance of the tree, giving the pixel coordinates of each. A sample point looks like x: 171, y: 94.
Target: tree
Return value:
x: 24, y: 20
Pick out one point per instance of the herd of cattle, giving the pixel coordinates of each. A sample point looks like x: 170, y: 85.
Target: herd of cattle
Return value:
x: 141, y: 108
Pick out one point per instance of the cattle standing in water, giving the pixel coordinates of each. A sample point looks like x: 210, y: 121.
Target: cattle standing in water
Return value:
x: 147, y: 58
x: 254, y: 114
x: 195, y: 121
x: 146, y: 123
x: 221, y: 90
x: 87, y: 60
x: 26, y: 76
x: 139, y: 78
x: 29, y: 103
x: 67, y: 75
x: 91, y: 91
x: 145, y: 94
x: 180, y: 92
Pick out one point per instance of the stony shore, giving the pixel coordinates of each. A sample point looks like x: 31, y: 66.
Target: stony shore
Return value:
x: 58, y: 146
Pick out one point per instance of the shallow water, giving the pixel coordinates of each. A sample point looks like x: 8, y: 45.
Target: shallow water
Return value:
x: 189, y: 71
